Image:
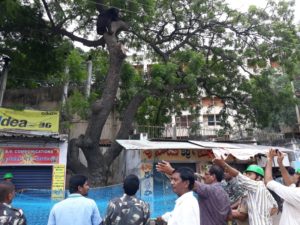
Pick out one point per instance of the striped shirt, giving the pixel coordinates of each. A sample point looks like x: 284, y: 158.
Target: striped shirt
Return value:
x: 260, y: 201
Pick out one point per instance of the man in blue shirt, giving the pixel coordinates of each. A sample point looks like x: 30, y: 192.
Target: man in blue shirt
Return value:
x: 77, y: 209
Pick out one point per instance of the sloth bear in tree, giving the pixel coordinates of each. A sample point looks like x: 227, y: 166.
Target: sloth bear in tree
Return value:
x: 105, y: 19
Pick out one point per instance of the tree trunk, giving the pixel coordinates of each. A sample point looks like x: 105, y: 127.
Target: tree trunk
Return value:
x: 126, y: 126
x: 74, y: 163
x: 98, y: 166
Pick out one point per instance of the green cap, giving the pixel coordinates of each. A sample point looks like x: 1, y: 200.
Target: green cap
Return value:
x: 8, y: 176
x: 298, y: 170
x: 256, y: 169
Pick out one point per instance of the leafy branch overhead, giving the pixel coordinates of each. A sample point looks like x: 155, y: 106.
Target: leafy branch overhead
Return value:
x: 196, y: 48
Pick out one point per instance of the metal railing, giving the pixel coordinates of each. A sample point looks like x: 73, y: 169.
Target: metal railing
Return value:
x: 177, y: 132
x: 174, y: 132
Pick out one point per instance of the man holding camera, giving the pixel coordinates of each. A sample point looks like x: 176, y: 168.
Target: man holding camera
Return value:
x: 261, y: 204
x: 289, y: 193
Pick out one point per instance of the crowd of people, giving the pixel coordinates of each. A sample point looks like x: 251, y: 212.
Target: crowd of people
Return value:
x: 245, y: 198
x: 221, y: 196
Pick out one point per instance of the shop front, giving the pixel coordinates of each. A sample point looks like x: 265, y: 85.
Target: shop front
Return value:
x: 33, y: 151
x: 141, y: 157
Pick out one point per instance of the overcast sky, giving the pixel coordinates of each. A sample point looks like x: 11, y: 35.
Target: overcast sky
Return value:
x: 244, y: 4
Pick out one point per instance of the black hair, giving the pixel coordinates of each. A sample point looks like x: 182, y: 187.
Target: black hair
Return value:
x: 291, y: 170
x: 131, y: 184
x: 217, y: 171
x: 186, y: 174
x: 6, y: 187
x: 75, y: 181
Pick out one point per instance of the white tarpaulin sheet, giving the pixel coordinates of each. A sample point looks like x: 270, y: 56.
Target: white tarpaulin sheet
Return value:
x: 239, y: 151
x: 154, y: 145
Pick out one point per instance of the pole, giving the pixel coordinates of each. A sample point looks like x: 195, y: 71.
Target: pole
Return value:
x: 3, y: 78
x: 89, y: 78
x: 66, y: 86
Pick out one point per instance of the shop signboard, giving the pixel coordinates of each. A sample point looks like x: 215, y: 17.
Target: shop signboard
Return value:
x: 30, y: 120
x: 58, y: 182
x: 28, y: 156
x: 177, y: 155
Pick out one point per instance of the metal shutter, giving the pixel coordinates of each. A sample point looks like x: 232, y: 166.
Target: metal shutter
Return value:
x: 29, y: 177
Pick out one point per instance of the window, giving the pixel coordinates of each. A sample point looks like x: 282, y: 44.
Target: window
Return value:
x: 182, y: 121
x: 186, y: 120
x: 213, y: 120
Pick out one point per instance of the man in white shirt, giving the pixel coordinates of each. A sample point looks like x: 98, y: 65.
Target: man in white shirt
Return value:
x: 186, y: 210
x: 289, y: 193
x: 261, y: 204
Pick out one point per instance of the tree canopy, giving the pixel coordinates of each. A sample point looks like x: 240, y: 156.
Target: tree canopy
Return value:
x: 198, y: 48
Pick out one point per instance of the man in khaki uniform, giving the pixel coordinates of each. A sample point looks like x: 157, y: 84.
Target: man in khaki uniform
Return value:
x: 8, y: 214
x: 241, y: 213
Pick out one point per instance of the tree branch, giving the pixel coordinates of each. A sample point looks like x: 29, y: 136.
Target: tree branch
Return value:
x: 84, y: 41
x: 48, y: 13
x: 164, y: 56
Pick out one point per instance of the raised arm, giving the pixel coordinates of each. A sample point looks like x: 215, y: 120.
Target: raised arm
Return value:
x: 287, y: 179
x: 165, y: 167
x: 243, y: 180
x: 268, y: 170
x: 221, y: 162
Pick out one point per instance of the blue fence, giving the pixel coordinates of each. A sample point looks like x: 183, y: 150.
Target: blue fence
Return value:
x: 37, y: 203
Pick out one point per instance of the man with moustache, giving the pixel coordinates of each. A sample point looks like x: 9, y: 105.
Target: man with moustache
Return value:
x: 186, y: 210
x: 213, y: 200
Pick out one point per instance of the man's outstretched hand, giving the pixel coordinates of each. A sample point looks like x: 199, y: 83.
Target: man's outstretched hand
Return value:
x: 275, y: 152
x: 272, y: 153
x: 164, y: 167
x: 219, y: 161
x: 280, y: 157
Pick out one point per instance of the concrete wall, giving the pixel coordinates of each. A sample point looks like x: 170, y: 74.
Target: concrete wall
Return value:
x: 39, y: 98
x: 109, y: 132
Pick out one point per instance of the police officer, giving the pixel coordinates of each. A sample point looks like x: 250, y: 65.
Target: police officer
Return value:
x: 8, y: 177
x: 8, y: 214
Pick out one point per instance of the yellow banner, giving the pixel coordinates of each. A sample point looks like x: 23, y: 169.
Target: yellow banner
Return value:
x: 29, y: 120
x: 58, y: 182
